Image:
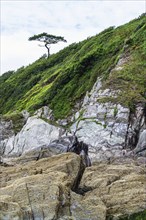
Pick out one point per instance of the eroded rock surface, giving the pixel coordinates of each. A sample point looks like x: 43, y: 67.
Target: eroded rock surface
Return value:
x: 58, y: 188
x: 121, y: 187
x: 38, y: 190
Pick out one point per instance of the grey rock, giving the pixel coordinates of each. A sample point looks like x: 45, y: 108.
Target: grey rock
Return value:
x: 34, y: 134
x: 25, y: 114
x: 141, y: 146
x: 107, y: 126
x: 44, y: 112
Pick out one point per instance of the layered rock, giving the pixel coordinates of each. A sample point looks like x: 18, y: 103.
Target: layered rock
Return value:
x: 58, y: 188
x: 39, y: 190
x: 120, y: 186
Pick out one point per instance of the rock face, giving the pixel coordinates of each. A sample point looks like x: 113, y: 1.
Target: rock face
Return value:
x: 58, y: 188
x: 106, y: 127
x: 35, y: 184
x: 90, y: 165
x: 36, y: 133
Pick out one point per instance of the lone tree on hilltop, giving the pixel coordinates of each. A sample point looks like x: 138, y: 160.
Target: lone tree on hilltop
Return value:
x: 47, y: 39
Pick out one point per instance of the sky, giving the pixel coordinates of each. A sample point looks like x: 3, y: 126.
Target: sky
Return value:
x: 74, y: 20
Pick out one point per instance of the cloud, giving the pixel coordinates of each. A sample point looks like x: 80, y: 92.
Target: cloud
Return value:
x: 75, y: 20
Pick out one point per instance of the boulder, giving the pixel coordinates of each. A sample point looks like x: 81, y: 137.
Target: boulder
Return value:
x: 120, y: 186
x: 36, y: 133
x: 38, y: 190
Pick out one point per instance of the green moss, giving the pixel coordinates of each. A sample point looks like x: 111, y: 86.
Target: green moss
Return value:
x: 135, y: 216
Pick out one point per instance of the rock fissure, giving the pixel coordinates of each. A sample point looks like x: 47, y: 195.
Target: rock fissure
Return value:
x: 75, y: 187
x: 29, y: 201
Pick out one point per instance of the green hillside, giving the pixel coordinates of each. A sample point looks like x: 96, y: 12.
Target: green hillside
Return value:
x: 63, y: 79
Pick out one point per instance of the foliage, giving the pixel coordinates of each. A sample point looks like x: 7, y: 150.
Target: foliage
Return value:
x: 136, y: 216
x: 47, y: 39
x: 64, y: 78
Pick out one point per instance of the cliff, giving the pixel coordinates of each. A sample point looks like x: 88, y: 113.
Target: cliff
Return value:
x: 73, y: 131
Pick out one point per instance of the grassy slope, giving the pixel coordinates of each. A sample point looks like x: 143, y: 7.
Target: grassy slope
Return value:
x: 64, y: 77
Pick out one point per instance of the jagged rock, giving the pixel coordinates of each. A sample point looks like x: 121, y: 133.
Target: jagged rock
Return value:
x: 63, y: 144
x: 6, y: 129
x: 44, y: 112
x: 137, y: 120
x: 6, y: 132
x: 36, y: 133
x: 103, y: 126
x: 106, y: 127
x: 25, y: 114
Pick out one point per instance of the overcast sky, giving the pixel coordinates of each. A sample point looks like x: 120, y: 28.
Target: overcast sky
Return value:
x: 74, y: 20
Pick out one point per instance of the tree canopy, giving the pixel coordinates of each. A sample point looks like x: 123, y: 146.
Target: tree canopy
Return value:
x: 47, y: 39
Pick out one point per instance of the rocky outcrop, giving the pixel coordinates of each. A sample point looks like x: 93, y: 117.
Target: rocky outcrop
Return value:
x: 58, y: 188
x: 35, y: 134
x: 106, y: 127
x: 39, y: 139
x: 137, y: 123
x: 90, y: 165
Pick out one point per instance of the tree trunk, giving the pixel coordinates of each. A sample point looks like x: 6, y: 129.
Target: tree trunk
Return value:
x: 48, y: 49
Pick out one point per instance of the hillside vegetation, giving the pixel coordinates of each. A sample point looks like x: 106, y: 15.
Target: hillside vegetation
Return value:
x: 63, y: 79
